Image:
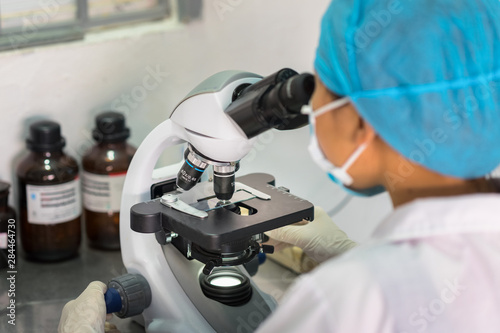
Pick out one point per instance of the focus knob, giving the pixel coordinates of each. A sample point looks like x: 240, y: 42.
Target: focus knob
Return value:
x: 128, y: 295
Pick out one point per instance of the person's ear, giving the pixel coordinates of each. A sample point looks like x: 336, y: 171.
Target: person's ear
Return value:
x: 364, y: 131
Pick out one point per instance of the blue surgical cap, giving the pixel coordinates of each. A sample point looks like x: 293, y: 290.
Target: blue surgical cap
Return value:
x: 425, y: 74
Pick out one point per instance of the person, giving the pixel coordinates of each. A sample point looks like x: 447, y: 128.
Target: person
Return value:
x: 407, y: 99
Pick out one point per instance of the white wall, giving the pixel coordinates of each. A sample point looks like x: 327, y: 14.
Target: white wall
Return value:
x: 72, y: 82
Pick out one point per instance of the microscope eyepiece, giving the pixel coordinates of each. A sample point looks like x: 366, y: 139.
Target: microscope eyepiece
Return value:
x: 273, y: 102
x: 294, y: 92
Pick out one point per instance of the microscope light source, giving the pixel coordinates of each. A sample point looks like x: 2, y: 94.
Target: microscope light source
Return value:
x: 228, y: 286
x: 225, y: 281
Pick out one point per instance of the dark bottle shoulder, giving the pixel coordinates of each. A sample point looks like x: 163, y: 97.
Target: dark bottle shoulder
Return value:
x: 105, y: 159
x: 39, y: 169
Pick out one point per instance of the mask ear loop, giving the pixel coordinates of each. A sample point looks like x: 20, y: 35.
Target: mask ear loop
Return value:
x: 307, y: 109
x: 339, y: 172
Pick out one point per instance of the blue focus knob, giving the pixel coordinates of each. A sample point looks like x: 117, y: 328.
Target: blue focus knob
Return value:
x: 113, y: 300
x: 127, y: 295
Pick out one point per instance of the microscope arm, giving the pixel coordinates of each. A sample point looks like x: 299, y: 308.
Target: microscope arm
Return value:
x: 141, y: 253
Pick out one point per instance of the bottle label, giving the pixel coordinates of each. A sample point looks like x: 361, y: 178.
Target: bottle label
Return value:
x: 3, y: 240
x: 103, y: 193
x: 52, y: 204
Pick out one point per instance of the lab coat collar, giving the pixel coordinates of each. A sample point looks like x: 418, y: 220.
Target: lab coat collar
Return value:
x: 442, y: 216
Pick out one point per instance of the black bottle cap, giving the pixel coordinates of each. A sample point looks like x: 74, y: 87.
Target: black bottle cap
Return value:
x: 45, y: 135
x: 110, y: 127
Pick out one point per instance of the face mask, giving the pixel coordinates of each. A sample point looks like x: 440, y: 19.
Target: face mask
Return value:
x: 338, y: 175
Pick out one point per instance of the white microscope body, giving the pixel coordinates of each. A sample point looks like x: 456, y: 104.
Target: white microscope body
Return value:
x: 200, y: 120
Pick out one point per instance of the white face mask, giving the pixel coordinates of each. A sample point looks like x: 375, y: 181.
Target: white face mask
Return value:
x: 338, y: 174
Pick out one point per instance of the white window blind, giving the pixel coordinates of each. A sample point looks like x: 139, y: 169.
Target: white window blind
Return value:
x: 33, y: 22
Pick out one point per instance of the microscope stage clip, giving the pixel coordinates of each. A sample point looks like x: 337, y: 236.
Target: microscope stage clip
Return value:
x: 258, y: 194
x: 201, y: 207
x: 242, y: 193
x: 172, y: 201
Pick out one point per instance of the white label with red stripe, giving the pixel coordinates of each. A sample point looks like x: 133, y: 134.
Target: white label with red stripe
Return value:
x: 103, y: 193
x: 52, y: 204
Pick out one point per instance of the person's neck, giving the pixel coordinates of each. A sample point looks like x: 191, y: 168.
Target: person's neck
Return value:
x: 427, y: 184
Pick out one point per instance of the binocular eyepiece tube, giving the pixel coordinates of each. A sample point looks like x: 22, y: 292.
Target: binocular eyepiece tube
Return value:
x: 273, y: 102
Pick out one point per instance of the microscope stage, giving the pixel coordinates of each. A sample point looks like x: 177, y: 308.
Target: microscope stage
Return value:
x: 223, y: 226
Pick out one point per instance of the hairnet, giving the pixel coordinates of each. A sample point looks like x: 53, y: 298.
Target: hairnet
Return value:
x: 425, y: 74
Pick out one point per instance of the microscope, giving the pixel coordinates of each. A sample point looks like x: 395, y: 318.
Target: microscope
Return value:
x: 190, y: 238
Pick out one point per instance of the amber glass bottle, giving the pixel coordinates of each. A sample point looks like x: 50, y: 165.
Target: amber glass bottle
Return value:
x: 7, y: 227
x: 49, y: 196
x: 105, y: 166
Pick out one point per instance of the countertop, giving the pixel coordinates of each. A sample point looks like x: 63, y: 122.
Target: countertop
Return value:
x: 42, y: 289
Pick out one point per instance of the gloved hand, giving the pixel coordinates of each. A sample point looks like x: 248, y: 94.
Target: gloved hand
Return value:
x: 87, y: 313
x: 320, y: 239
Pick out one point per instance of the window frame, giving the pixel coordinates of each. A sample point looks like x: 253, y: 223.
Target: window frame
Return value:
x: 16, y: 38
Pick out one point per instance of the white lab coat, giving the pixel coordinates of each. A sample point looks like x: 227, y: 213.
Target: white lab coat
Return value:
x: 433, y: 266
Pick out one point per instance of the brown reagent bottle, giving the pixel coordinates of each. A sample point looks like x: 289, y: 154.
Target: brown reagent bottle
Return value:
x: 49, y: 196
x: 105, y: 166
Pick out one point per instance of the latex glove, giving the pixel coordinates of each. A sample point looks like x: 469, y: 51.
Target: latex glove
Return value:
x: 87, y: 313
x: 320, y: 239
